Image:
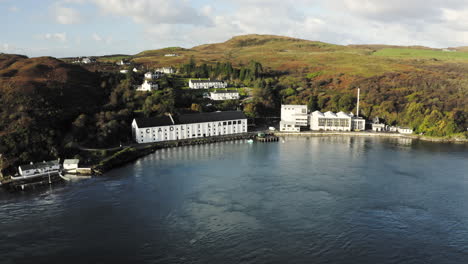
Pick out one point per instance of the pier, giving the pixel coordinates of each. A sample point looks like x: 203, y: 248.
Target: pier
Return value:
x: 262, y: 137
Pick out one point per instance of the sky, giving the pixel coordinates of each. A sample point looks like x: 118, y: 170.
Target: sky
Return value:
x: 65, y: 28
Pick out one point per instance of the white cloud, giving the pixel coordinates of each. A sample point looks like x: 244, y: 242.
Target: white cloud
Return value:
x: 66, y: 15
x: 154, y: 11
x: 98, y: 38
x: 13, y: 9
x: 60, y: 37
x: 9, y: 48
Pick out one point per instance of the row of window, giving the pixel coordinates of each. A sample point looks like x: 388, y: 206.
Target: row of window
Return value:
x: 337, y: 122
x: 188, y: 136
x: 237, y: 122
x: 209, y: 130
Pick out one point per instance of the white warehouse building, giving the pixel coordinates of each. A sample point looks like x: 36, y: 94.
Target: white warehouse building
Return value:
x: 146, y: 130
x: 39, y: 168
x: 293, y: 117
x: 336, y: 122
x: 206, y: 84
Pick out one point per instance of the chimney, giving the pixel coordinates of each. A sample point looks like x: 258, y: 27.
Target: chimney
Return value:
x: 170, y: 116
x: 357, y: 108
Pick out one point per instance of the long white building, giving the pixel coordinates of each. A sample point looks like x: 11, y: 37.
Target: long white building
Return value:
x: 166, y: 70
x: 336, y: 122
x: 293, y: 117
x: 206, y: 84
x: 146, y: 130
x: 224, y: 95
x: 39, y: 168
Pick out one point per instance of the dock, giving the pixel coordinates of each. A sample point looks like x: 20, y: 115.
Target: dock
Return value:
x: 262, y: 137
x: 23, y: 183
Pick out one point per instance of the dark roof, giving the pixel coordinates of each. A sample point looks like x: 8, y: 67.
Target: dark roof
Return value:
x: 228, y: 91
x: 27, y: 167
x: 205, y: 81
x: 190, y: 119
x: 153, y: 121
x: 39, y: 165
x: 211, y: 117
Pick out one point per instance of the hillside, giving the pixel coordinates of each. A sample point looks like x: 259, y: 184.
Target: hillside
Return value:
x: 48, y: 104
x: 293, y: 55
x: 39, y: 98
x: 421, y: 87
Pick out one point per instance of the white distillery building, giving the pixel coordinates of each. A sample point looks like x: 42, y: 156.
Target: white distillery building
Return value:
x: 224, y: 95
x: 336, y: 122
x: 148, y: 86
x: 166, y: 70
x: 146, y: 130
x: 206, y: 84
x: 293, y: 117
x: 39, y: 168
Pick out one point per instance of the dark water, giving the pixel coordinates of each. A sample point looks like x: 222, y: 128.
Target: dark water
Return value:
x: 305, y: 200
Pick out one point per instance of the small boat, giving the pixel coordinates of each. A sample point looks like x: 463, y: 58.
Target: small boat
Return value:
x: 250, y: 141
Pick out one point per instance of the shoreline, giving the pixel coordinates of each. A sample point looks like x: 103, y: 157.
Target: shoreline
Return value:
x: 129, y: 154
x: 370, y: 134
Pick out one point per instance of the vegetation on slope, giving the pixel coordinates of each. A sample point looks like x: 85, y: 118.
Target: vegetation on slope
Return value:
x: 49, y: 105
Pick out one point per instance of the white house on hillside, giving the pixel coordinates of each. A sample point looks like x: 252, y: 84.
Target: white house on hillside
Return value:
x: 86, y: 60
x: 166, y: 70
x: 148, y: 86
x: 293, y: 117
x: 151, y: 76
x: 224, y: 95
x: 122, y: 62
x: 206, y: 84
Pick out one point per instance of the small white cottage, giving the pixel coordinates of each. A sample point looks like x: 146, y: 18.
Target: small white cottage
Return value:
x: 71, y: 165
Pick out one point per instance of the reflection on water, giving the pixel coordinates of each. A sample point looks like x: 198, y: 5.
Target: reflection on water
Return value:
x: 305, y: 200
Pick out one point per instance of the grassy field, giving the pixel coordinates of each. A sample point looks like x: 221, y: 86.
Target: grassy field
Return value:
x: 304, y: 56
x: 422, y: 53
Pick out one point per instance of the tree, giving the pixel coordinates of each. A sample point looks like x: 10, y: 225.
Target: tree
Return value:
x: 313, y: 103
x: 196, y: 108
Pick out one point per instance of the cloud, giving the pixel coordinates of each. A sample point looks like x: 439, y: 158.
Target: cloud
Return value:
x: 66, y: 15
x: 13, y: 9
x: 154, y: 11
x: 61, y: 37
x: 9, y: 48
x: 98, y: 38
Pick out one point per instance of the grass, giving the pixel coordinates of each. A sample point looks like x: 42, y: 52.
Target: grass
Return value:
x: 113, y: 59
x: 318, y: 59
x: 422, y: 53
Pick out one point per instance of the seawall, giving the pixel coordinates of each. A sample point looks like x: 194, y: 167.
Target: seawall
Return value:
x: 130, y: 154
x: 370, y: 134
